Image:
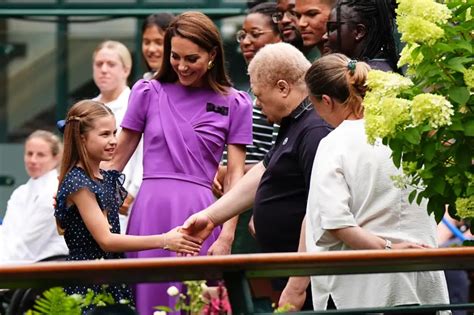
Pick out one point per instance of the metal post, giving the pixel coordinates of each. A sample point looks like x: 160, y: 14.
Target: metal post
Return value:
x: 239, y: 293
x: 3, y: 83
x: 137, y: 54
x: 62, y: 57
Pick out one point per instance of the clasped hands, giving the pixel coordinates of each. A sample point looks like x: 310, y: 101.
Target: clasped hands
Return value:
x: 198, y: 226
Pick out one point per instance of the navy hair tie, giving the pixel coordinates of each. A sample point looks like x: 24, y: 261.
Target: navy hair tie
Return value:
x: 61, y: 124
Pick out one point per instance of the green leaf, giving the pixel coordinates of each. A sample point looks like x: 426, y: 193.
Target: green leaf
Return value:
x: 436, y: 206
x: 412, y: 196
x: 163, y: 308
x: 459, y: 94
x: 457, y: 63
x: 444, y: 47
x: 412, y: 135
x: 457, y: 125
x: 470, y: 190
x: 439, y: 184
x: 463, y: 158
x: 463, y: 45
x: 429, y: 150
x: 469, y: 128
x: 419, y: 198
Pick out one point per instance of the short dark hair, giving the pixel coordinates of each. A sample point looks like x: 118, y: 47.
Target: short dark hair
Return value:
x: 266, y: 9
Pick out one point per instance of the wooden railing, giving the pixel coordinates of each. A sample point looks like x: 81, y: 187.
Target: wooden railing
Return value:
x: 236, y: 269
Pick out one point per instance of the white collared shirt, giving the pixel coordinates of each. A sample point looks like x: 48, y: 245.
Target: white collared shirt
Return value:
x: 351, y: 186
x: 29, y: 231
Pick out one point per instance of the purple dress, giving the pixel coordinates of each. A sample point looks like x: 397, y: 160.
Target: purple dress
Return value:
x: 184, y: 133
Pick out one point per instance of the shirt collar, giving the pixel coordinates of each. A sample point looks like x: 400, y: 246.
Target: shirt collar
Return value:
x: 304, y: 106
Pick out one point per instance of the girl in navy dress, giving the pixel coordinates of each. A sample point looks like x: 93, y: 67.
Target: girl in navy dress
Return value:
x: 89, y: 197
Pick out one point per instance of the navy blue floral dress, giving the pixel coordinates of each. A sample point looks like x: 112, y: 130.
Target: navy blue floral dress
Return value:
x: 110, y: 195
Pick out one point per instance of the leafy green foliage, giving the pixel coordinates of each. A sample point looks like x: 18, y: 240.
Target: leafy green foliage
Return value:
x: 437, y: 140
x: 56, y: 302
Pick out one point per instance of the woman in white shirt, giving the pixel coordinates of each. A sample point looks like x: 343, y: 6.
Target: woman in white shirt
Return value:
x: 353, y: 203
x: 111, y: 65
x: 29, y: 232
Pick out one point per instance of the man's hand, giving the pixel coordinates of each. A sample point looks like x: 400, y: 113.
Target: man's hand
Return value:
x: 126, y: 205
x: 198, y: 225
x: 294, y: 293
x: 218, y: 183
x: 251, y: 227
x: 220, y: 247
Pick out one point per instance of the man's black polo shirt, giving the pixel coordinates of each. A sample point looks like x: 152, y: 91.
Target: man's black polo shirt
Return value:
x: 280, y: 202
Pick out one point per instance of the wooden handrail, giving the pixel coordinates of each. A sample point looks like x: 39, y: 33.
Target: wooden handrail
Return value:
x: 253, y: 266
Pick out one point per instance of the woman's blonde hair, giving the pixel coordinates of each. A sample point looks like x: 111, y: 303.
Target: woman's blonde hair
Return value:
x: 49, y: 137
x: 339, y: 77
x: 122, y: 51
x: 80, y: 120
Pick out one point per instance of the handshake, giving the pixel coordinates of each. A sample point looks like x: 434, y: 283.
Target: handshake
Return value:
x: 187, y: 239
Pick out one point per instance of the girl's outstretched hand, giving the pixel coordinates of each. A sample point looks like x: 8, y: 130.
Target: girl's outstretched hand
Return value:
x: 179, y: 242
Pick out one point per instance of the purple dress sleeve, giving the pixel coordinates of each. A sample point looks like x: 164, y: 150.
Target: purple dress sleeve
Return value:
x: 138, y: 103
x: 240, y: 129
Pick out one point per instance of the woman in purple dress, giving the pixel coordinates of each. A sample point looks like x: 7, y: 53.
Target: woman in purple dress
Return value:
x: 187, y: 113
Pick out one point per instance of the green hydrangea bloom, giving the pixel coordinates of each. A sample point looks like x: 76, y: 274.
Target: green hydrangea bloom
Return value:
x: 428, y: 10
x: 435, y: 109
x: 387, y: 83
x: 469, y: 77
x: 416, y: 29
x: 406, y: 57
x: 384, y: 116
x: 465, y: 207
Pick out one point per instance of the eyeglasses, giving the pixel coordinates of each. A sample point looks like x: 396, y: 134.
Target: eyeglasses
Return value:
x: 254, y: 34
x: 278, y: 16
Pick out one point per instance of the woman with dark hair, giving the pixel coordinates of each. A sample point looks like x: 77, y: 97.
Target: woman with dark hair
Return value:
x: 153, y: 32
x: 187, y: 113
x: 363, y: 30
x: 258, y: 30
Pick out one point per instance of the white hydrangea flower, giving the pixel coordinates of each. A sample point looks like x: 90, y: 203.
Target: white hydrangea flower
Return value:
x: 172, y: 291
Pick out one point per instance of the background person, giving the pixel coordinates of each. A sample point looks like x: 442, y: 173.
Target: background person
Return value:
x: 112, y: 63
x: 287, y: 22
x: 153, y: 33
x: 28, y: 233
x: 353, y: 203
x: 187, y: 113
x: 312, y: 17
x: 363, y: 30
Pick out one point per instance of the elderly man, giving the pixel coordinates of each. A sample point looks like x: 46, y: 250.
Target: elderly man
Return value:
x: 276, y: 188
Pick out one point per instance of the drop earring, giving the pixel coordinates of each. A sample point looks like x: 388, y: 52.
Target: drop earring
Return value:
x: 210, y: 65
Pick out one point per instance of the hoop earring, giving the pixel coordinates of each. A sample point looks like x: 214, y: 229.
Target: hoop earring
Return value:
x: 210, y: 65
